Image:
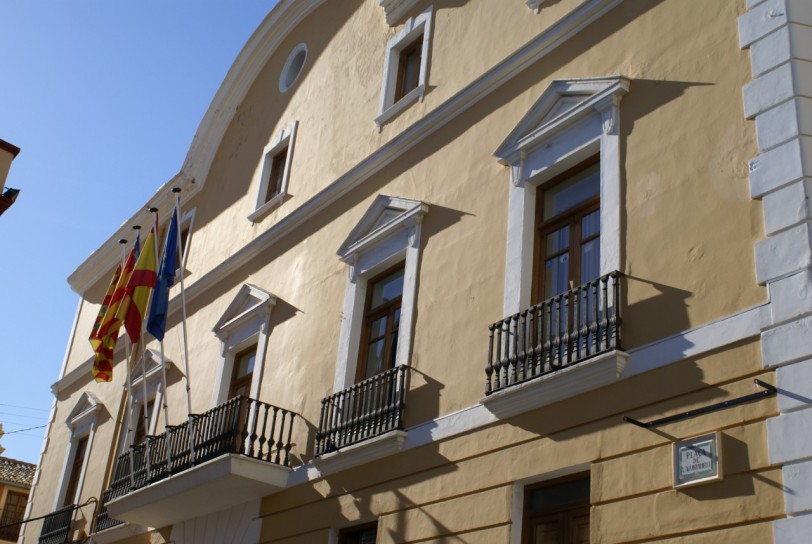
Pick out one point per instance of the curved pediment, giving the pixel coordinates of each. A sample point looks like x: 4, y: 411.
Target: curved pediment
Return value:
x: 563, y: 103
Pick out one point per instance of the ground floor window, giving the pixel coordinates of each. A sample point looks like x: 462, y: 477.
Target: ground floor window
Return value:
x: 364, y: 534
x: 557, y: 512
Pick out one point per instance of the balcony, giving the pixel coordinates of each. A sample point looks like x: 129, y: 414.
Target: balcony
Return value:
x: 56, y: 527
x: 366, y: 410
x: 235, y: 452
x: 560, y: 347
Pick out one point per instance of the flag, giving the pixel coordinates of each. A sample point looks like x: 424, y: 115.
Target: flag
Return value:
x: 156, y: 322
x: 107, y: 333
x: 136, y: 295
x: 95, y: 339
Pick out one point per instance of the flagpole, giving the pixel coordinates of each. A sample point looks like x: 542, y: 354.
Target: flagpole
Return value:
x: 176, y: 190
x: 128, y: 441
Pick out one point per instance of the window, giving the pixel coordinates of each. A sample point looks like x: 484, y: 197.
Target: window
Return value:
x: 382, y: 254
x: 13, y: 512
x: 572, y: 124
x: 409, y: 68
x: 406, y: 67
x: 293, y: 67
x: 569, y: 230
x: 76, y: 471
x: 141, y: 426
x: 275, y: 173
x: 243, y: 373
x: 243, y: 330
x: 381, y: 323
x: 557, y: 512
x: 366, y: 534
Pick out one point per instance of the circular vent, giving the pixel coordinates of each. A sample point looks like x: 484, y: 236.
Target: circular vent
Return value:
x: 293, y: 67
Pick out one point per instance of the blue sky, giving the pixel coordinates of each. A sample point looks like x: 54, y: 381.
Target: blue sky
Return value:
x: 103, y: 97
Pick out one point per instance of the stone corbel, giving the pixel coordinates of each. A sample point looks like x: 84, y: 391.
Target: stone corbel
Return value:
x: 609, y: 115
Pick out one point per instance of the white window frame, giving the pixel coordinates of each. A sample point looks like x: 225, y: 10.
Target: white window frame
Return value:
x: 246, y: 322
x: 572, y: 121
x: 286, y: 138
x: 388, y: 233
x: 412, y: 28
x: 82, y: 422
x: 519, y: 486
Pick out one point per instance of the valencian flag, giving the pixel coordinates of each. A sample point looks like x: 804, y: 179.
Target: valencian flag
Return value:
x: 136, y: 295
x: 107, y: 333
x: 156, y: 322
x: 95, y: 338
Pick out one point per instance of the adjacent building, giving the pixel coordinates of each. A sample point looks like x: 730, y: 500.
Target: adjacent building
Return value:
x: 469, y: 271
x: 15, y: 484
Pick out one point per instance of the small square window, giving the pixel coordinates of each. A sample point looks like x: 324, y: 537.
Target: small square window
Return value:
x: 276, y: 163
x: 409, y: 68
x: 406, y: 68
x: 277, y: 177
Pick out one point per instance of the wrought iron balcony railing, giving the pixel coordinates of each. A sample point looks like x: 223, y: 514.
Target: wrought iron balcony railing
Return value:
x: 566, y: 329
x: 56, y: 527
x: 241, y: 426
x: 365, y: 410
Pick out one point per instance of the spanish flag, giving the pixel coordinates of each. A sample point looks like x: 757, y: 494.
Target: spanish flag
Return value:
x: 136, y: 295
x: 104, y: 343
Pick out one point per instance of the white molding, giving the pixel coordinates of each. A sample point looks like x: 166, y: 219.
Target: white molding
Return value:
x: 361, y: 453
x: 286, y: 139
x: 394, y: 10
x: 412, y: 28
x: 387, y: 233
x: 576, y: 379
x: 572, y: 120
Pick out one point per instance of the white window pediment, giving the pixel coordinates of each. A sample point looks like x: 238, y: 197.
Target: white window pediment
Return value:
x: 565, y: 103
x: 250, y: 303
x: 573, y: 120
x: 151, y: 369
x: 84, y: 413
x: 387, y: 216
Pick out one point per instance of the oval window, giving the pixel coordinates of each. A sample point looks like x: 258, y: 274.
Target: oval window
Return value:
x: 293, y: 67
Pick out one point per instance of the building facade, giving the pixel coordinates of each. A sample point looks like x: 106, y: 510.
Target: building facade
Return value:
x: 469, y: 271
